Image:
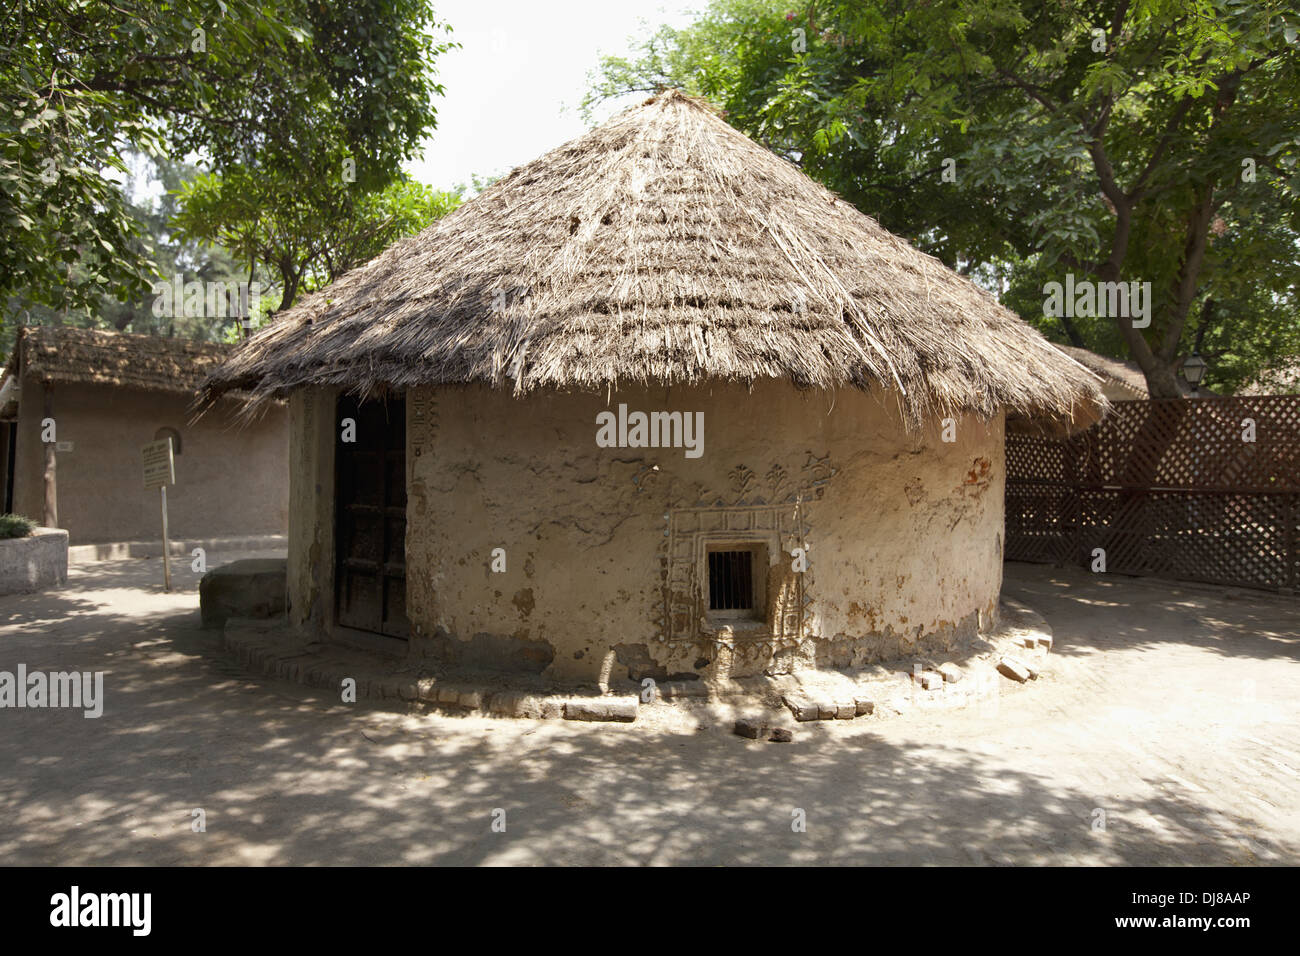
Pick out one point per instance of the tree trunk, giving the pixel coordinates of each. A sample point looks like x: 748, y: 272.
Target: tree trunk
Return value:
x: 291, y: 278
x: 1207, y: 316
x: 1162, y: 381
x: 1072, y: 332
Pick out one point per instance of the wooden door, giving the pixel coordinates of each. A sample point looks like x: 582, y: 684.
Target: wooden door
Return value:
x: 370, y: 525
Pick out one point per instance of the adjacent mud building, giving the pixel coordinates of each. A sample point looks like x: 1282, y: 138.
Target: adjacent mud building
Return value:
x: 108, y: 393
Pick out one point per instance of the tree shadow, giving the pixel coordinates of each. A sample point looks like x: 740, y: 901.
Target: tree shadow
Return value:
x: 288, y: 775
x: 1091, y: 612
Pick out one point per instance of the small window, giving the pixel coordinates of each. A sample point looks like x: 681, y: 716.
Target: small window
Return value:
x: 168, y: 432
x: 731, y: 580
x: 737, y: 580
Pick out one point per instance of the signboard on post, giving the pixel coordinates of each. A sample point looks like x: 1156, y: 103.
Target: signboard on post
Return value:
x: 159, y: 472
x: 159, y: 465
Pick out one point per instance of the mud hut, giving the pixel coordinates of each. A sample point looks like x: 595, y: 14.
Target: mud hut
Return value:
x: 655, y: 403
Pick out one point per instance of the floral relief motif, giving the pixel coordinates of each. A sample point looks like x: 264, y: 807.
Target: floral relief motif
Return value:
x: 742, y: 478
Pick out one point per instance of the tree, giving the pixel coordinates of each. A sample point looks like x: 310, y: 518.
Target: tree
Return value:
x: 1122, y: 141
x: 305, y: 236
x: 151, y: 200
x: 403, y: 209
x: 272, y: 89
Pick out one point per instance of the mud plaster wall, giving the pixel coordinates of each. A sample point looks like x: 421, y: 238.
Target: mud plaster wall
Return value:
x: 310, y: 568
x: 904, y: 532
x: 230, y: 481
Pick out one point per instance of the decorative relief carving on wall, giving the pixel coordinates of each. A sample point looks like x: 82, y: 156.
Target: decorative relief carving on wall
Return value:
x: 645, y: 476
x: 423, y: 422
x: 780, y: 516
x: 817, y: 473
x: 778, y: 482
x: 742, y: 479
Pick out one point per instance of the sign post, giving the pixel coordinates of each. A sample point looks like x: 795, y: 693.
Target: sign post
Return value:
x: 159, y: 472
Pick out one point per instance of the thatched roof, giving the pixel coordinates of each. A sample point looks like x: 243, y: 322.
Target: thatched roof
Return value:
x: 67, y: 355
x: 664, y: 246
x: 1122, y: 379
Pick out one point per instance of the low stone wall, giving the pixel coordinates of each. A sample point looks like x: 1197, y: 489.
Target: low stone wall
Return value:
x: 34, y: 563
x: 215, y: 547
x: 250, y: 588
x: 1017, y: 651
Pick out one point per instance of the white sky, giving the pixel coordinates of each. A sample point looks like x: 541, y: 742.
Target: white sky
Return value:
x: 514, y: 90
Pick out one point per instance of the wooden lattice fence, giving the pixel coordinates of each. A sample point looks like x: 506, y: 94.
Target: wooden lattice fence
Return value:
x: 1170, y: 488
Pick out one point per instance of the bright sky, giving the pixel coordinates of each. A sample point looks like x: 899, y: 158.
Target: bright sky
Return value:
x: 514, y: 90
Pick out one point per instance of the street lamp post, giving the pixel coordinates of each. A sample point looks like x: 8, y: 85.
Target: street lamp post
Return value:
x: 1194, y: 370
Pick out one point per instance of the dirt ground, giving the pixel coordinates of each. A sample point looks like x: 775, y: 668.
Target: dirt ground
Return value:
x: 1165, y: 732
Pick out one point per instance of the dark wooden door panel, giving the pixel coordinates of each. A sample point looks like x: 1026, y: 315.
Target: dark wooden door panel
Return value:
x: 395, y: 621
x: 371, y: 518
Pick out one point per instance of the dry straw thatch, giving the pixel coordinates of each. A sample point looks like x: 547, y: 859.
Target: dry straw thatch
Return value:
x: 1122, y: 377
x: 71, y: 356
x: 664, y: 246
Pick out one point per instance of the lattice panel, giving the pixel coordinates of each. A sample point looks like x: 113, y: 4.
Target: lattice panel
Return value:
x: 1294, y: 544
x: 1216, y: 537
x: 1031, y: 458
x: 1041, y: 522
x: 1167, y: 488
x: 1195, y: 444
x: 1119, y: 523
x: 1249, y: 542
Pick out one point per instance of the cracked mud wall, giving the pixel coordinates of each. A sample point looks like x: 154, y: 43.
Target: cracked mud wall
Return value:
x: 904, y: 531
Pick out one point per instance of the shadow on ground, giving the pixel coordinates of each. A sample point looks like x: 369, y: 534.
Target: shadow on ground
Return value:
x: 285, y: 775
x: 1141, y: 612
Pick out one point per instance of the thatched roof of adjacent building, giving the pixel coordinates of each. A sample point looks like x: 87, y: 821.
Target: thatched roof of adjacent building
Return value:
x: 665, y: 247
x: 67, y: 355
x: 1123, y: 380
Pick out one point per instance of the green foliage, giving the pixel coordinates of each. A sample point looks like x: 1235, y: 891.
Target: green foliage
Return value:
x: 15, y: 526
x: 57, y: 207
x: 281, y: 91
x: 377, y: 220
x: 306, y: 237
x: 168, y: 255
x: 1101, y: 138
